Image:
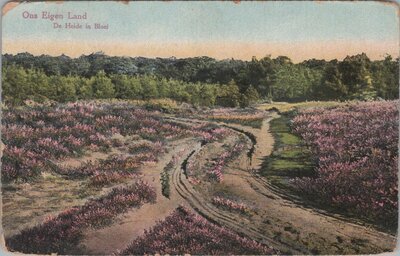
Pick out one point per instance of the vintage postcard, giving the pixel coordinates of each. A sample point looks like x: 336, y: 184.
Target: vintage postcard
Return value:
x: 199, y: 127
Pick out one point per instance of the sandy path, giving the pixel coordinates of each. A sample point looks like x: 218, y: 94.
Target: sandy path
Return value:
x: 282, y: 223
x: 279, y: 222
x: 132, y: 224
x: 227, y: 219
x: 265, y: 141
x: 312, y: 230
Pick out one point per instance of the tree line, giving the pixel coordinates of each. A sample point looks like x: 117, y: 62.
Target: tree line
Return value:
x: 200, y: 81
x: 20, y: 84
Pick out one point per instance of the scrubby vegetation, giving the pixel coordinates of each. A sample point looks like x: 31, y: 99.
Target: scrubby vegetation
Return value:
x: 185, y: 232
x: 36, y: 136
x: 230, y: 204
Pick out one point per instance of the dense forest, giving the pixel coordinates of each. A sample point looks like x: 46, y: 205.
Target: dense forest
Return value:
x: 200, y: 81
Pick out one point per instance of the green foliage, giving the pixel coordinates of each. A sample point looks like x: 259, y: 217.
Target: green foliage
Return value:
x: 331, y: 86
x: 249, y: 97
x: 64, y: 88
x: 293, y: 82
x: 124, y: 87
x: 201, y: 81
x: 355, y: 73
x: 41, y: 88
x: 149, y: 88
x: 84, y: 89
x: 385, y: 78
x: 206, y: 95
x: 15, y: 86
x: 229, y: 95
x: 102, y: 86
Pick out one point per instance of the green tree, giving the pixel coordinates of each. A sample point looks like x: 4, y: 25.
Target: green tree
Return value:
x: 15, y: 87
x: 331, y: 86
x: 252, y: 94
x: 40, y: 88
x: 292, y: 83
x: 136, y: 87
x: 102, y: 86
x: 84, y: 90
x: 149, y: 87
x: 162, y: 88
x: 355, y: 73
x: 229, y: 95
x: 64, y: 88
x: 207, y: 94
x: 385, y: 78
x: 123, y: 88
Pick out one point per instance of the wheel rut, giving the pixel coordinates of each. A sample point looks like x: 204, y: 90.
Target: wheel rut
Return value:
x: 291, y: 228
x: 216, y: 215
x: 311, y: 224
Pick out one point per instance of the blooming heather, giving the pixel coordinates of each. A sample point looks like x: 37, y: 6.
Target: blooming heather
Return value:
x: 34, y: 135
x: 184, y: 232
x: 215, y: 172
x: 356, y: 149
x: 230, y: 204
x: 61, y: 233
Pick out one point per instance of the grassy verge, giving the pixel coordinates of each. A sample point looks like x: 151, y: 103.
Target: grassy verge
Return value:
x: 290, y: 158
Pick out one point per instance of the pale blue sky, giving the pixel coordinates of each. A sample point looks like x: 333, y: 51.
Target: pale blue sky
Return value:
x: 176, y: 22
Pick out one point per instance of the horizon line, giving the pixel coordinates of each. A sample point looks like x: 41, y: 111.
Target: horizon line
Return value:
x: 297, y: 51
x: 197, y: 56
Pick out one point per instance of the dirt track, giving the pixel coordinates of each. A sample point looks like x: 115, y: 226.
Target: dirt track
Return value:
x: 278, y: 222
x: 110, y: 239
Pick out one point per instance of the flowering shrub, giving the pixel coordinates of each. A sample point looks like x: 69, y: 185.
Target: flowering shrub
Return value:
x: 34, y: 135
x: 113, y: 164
x: 19, y: 162
x: 230, y: 204
x: 186, y: 233
x: 101, y: 179
x: 356, y: 149
x: 194, y: 180
x: 215, y: 173
x: 60, y: 233
x: 146, y: 146
x: 210, y: 134
x: 193, y: 168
